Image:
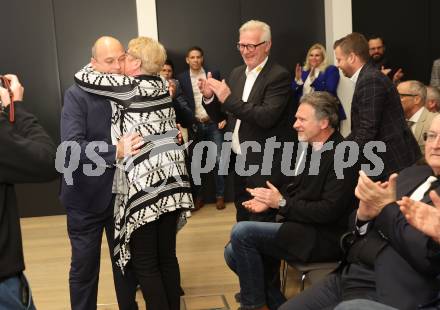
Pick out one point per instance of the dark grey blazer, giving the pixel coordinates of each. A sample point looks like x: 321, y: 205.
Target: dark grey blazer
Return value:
x: 377, y: 115
x: 267, y: 113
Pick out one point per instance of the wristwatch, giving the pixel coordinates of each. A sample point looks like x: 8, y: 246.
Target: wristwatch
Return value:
x: 282, y: 202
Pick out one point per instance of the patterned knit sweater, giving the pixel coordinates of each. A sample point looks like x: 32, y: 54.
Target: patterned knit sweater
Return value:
x: 154, y: 181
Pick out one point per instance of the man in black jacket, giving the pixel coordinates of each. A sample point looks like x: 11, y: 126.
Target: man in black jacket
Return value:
x: 27, y: 154
x: 387, y: 260
x: 255, y: 100
x: 315, y: 207
x: 203, y: 127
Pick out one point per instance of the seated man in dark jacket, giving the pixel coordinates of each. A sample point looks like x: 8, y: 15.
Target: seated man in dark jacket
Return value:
x: 388, y: 260
x: 426, y: 219
x: 27, y: 155
x: 315, y: 209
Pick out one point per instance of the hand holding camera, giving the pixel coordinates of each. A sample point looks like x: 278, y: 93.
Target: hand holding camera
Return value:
x: 10, y: 89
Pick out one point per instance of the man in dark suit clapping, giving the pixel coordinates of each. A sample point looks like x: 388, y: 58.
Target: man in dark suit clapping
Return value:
x: 386, y: 259
x: 255, y: 99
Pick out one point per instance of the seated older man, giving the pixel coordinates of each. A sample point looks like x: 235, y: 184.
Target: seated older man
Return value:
x: 426, y: 219
x: 413, y: 98
x: 432, y: 99
x: 387, y: 259
x: 315, y: 208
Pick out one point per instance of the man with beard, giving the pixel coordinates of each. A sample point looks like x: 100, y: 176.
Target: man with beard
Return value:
x: 376, y: 48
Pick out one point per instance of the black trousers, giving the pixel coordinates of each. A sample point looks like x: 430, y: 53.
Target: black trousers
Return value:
x: 241, y: 195
x: 85, y: 233
x: 355, y: 282
x: 154, y: 261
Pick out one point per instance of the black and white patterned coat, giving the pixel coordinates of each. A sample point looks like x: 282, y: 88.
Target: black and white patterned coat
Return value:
x: 154, y: 181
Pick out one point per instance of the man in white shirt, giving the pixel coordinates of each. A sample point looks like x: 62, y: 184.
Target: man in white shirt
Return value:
x: 203, y: 128
x: 256, y: 101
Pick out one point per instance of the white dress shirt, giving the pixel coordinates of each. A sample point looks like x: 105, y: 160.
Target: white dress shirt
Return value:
x: 251, y: 77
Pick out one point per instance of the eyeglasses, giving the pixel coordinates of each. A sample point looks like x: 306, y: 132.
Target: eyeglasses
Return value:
x: 430, y: 136
x: 249, y: 47
x: 407, y: 95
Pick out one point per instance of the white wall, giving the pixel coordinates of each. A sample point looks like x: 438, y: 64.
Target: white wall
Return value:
x: 338, y: 23
x: 147, y: 20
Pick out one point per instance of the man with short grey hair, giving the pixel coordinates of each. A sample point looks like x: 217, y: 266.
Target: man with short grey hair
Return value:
x: 433, y: 99
x: 315, y: 207
x: 413, y: 97
x: 256, y: 99
x: 435, y: 74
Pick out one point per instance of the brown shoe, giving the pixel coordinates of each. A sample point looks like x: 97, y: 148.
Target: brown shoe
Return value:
x: 198, y: 204
x: 220, y: 204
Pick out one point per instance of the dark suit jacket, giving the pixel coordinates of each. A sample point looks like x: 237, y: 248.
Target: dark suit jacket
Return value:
x: 184, y: 114
x: 317, y: 209
x: 377, y: 115
x: 27, y: 154
x: 326, y: 81
x: 267, y: 113
x: 86, y: 118
x: 404, y: 269
x: 184, y: 79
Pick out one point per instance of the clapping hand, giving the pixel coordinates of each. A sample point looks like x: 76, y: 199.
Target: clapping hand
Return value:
x: 422, y: 216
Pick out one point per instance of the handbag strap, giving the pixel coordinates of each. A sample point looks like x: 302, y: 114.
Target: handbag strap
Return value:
x: 7, y: 85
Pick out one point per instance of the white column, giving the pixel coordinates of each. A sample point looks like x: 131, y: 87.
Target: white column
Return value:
x: 146, y: 18
x: 338, y: 23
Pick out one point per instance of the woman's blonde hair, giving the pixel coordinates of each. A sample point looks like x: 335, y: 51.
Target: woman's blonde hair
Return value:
x: 151, y: 53
x: 323, y: 64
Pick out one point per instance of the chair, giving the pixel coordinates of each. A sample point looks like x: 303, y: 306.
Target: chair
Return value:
x: 306, y: 270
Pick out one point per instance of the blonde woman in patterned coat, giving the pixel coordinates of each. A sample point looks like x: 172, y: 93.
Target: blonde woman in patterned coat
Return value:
x: 152, y: 188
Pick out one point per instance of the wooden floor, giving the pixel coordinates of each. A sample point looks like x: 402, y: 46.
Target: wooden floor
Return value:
x: 205, y: 276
